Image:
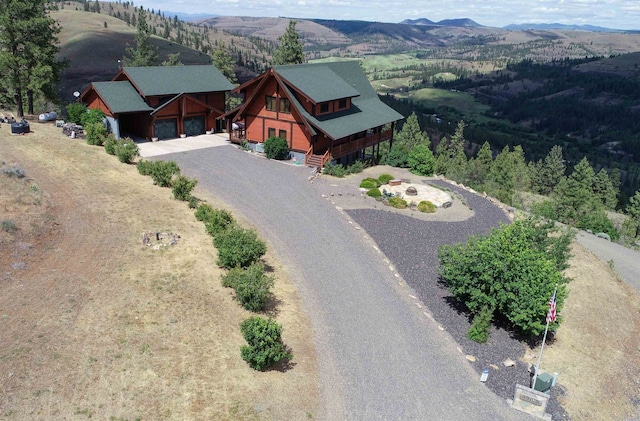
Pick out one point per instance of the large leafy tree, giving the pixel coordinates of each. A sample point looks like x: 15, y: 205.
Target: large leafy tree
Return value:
x: 28, y: 38
x: 290, y: 49
x: 144, y: 53
x: 509, y: 274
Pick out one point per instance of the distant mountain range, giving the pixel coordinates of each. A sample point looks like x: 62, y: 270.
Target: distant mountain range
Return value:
x: 464, y: 23
x: 558, y: 26
x: 458, y: 23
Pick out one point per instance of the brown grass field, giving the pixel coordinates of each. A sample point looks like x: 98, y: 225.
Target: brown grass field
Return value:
x: 95, y: 325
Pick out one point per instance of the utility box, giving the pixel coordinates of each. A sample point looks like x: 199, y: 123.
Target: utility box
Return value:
x: 543, y: 382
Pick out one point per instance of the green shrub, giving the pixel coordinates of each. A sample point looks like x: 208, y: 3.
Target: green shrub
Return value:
x: 203, y: 212
x: 375, y: 193
x: 126, y: 150
x: 92, y: 116
x: 238, y: 247
x: 368, y: 184
x: 335, y: 170
x: 75, y: 111
x: 545, y: 209
x: 511, y: 273
x: 397, y: 203
x: 398, y: 156
x: 8, y: 225
x: 426, y: 207
x: 385, y: 178
x: 217, y: 221
x: 193, y: 202
x: 251, y: 284
x: 276, y: 148
x: 479, y: 330
x: 374, y: 181
x: 421, y: 160
x: 264, y: 339
x: 110, y: 144
x: 182, y: 186
x: 355, y: 168
x: 96, y: 133
x: 161, y: 172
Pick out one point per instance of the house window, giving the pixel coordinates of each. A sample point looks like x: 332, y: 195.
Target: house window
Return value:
x: 271, y: 132
x: 324, y: 107
x: 282, y: 134
x: 285, y: 105
x: 271, y: 103
x: 342, y: 104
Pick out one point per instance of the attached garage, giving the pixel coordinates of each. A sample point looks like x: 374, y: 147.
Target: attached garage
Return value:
x: 194, y: 126
x: 166, y: 128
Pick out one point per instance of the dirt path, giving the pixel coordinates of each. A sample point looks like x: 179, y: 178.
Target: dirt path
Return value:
x: 95, y: 325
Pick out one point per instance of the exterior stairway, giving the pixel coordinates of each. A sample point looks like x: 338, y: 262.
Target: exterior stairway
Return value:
x: 314, y: 160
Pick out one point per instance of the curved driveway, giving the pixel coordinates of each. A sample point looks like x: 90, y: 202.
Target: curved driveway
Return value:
x: 379, y: 357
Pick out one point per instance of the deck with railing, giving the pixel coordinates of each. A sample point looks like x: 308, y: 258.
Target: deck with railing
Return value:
x: 360, y: 143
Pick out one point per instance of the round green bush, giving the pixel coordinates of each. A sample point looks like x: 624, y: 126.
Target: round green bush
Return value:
x: 375, y: 181
x: 385, y: 178
x: 238, y: 247
x: 251, y: 284
x: 375, y: 193
x: 368, y: 184
x: 264, y: 339
x: 126, y: 149
x: 276, y: 148
x: 397, y: 203
x: 426, y: 207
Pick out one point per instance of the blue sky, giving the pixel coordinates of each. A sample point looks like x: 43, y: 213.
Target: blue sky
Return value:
x: 617, y: 14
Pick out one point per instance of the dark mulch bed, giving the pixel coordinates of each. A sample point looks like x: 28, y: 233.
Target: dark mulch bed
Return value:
x: 412, y: 245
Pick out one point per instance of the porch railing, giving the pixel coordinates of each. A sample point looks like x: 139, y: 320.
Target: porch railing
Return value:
x: 360, y: 143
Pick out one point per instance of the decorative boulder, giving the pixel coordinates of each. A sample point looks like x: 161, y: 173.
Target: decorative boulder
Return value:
x: 411, y: 191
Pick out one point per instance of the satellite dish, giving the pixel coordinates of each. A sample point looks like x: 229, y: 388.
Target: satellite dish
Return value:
x: 76, y: 94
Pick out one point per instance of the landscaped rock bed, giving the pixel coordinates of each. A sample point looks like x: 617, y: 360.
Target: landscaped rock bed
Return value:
x: 418, y: 266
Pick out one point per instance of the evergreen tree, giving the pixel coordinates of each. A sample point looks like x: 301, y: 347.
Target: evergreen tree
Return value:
x: 224, y: 62
x: 173, y: 60
x: 145, y: 54
x: 631, y: 226
x: 458, y: 165
x: 28, y: 51
x: 290, y: 49
x: 479, y: 167
x: 411, y: 136
x: 604, y: 189
x: 549, y: 172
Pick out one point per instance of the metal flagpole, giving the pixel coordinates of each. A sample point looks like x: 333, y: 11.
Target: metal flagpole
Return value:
x: 544, y: 338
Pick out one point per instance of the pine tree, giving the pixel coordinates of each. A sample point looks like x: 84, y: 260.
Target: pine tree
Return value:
x: 145, y: 54
x: 224, y: 62
x: 28, y: 52
x: 631, y: 225
x: 290, y: 49
x: 411, y: 136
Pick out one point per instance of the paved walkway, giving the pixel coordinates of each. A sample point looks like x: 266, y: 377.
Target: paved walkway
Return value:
x: 163, y: 147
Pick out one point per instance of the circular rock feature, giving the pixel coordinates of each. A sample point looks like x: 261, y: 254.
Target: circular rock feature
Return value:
x: 411, y: 191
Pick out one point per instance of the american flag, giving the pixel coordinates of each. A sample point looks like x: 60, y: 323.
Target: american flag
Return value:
x: 551, y: 314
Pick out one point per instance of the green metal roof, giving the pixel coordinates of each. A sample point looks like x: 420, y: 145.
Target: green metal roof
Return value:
x: 121, y: 97
x: 320, y: 83
x: 171, y: 80
x: 367, y: 110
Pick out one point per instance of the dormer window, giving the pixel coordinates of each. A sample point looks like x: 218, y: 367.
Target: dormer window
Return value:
x: 324, y: 107
x: 342, y: 104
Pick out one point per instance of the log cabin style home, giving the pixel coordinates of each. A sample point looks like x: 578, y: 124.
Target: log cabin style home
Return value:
x: 161, y: 101
x: 325, y: 111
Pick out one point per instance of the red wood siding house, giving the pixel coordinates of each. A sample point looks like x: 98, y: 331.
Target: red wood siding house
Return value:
x: 324, y: 111
x: 161, y: 101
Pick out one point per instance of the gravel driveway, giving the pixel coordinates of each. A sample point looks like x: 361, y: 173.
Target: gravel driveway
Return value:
x: 381, y: 356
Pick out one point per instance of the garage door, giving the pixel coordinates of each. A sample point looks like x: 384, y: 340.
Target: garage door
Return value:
x: 166, y: 129
x: 194, y: 126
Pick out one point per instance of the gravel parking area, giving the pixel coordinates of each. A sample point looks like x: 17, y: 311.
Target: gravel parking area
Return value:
x: 412, y: 244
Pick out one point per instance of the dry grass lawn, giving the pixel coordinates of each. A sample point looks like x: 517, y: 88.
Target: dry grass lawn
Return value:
x: 95, y: 325
x: 596, y: 350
